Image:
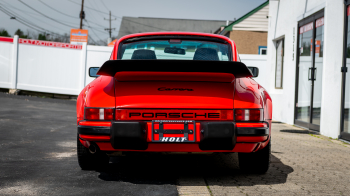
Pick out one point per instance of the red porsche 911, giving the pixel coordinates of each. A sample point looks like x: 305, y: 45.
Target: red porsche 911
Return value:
x: 174, y: 92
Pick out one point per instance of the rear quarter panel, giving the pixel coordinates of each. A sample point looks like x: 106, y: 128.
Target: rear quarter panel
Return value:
x: 98, y: 93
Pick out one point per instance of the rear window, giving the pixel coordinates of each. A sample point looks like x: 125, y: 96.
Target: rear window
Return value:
x: 176, y: 49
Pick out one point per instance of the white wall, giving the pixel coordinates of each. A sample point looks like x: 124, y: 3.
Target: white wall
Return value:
x: 258, y: 61
x: 331, y: 85
x: 96, y: 56
x: 49, y: 69
x: 286, y: 14
x: 6, y: 50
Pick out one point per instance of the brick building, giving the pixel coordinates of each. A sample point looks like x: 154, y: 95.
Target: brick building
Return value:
x: 250, y: 31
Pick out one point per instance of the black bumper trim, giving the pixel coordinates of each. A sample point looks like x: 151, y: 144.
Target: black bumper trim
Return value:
x: 217, y: 135
x: 252, y: 131
x: 87, y: 130
x: 241, y: 131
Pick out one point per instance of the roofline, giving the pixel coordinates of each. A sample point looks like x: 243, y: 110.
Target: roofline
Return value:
x: 229, y: 27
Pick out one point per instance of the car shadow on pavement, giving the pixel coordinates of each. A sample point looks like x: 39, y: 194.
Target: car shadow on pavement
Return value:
x: 219, y: 169
x: 299, y: 131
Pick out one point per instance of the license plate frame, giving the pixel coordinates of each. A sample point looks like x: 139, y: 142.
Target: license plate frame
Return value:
x: 185, y: 131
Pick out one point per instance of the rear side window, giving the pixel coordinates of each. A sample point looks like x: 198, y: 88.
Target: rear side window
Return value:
x: 176, y: 49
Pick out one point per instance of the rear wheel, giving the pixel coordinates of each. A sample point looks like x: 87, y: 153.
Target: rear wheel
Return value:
x: 256, y: 162
x: 88, y: 161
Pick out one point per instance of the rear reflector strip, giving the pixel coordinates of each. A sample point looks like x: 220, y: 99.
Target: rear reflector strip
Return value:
x: 164, y: 114
x: 102, y: 114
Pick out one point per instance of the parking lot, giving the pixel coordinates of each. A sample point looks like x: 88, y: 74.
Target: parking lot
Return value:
x: 38, y: 157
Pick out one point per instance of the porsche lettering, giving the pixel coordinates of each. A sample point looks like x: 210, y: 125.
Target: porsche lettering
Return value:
x: 173, y: 115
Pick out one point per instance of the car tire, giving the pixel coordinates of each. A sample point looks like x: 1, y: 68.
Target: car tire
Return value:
x: 256, y: 162
x: 89, y: 161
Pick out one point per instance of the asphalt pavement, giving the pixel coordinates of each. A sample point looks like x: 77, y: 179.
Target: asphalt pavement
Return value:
x: 38, y: 157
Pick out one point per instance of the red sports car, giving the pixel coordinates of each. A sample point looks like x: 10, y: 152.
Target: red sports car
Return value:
x: 174, y: 92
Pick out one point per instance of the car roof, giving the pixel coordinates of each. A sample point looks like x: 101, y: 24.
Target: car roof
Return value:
x: 209, y: 35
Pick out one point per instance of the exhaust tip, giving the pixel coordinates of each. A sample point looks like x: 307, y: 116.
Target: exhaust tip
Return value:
x: 93, y: 148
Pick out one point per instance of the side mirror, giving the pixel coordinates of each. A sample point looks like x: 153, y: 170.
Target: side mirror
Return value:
x: 93, y: 72
x: 255, y: 71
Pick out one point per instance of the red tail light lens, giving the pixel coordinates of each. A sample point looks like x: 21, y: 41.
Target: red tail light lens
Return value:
x: 226, y: 114
x: 98, y: 114
x: 108, y: 114
x: 121, y: 114
x: 92, y: 114
x: 249, y: 115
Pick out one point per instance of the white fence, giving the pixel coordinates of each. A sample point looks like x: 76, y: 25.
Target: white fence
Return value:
x: 49, y: 67
x: 258, y: 61
x: 61, y: 68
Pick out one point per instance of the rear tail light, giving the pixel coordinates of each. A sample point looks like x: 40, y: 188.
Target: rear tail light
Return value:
x: 121, y: 114
x: 255, y: 115
x: 99, y: 114
x: 226, y: 114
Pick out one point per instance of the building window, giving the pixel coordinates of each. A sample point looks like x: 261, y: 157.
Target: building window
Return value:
x: 279, y: 64
x: 262, y: 50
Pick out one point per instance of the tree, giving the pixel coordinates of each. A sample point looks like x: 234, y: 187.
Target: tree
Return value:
x: 20, y: 34
x: 42, y: 37
x: 4, y: 33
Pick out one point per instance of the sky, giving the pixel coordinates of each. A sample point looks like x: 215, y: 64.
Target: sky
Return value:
x: 59, y: 16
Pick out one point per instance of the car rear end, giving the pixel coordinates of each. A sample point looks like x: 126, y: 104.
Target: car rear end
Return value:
x: 172, y: 109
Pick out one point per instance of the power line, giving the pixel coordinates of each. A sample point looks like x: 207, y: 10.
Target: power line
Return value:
x: 46, y: 15
x: 104, y: 4
x: 94, y: 32
x: 31, y: 25
x: 96, y: 24
x: 27, y: 23
x: 58, y: 10
x: 12, y: 12
x: 92, y: 15
x: 69, y: 15
x: 96, y: 6
x: 120, y: 17
x: 88, y: 7
x: 92, y: 27
x: 23, y: 11
x: 36, y: 27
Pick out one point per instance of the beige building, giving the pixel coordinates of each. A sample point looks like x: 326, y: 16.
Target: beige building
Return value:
x: 250, y: 31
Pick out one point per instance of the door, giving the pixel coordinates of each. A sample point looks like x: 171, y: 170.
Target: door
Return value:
x: 309, y: 72
x: 345, y: 114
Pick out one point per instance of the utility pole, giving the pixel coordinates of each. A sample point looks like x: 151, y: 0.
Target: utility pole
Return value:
x: 110, y: 27
x: 82, y: 14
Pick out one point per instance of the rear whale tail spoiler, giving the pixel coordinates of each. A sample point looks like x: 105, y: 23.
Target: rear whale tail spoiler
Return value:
x: 111, y: 67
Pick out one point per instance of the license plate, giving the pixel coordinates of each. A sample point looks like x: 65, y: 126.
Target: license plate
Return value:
x: 160, y: 132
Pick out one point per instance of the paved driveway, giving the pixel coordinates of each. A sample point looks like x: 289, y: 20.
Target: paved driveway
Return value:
x: 38, y: 157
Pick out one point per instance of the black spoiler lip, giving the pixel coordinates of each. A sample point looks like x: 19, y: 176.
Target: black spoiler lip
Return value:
x: 238, y: 69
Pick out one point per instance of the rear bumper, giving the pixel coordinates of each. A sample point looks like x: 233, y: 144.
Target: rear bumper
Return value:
x: 240, y: 131
x: 247, y: 137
